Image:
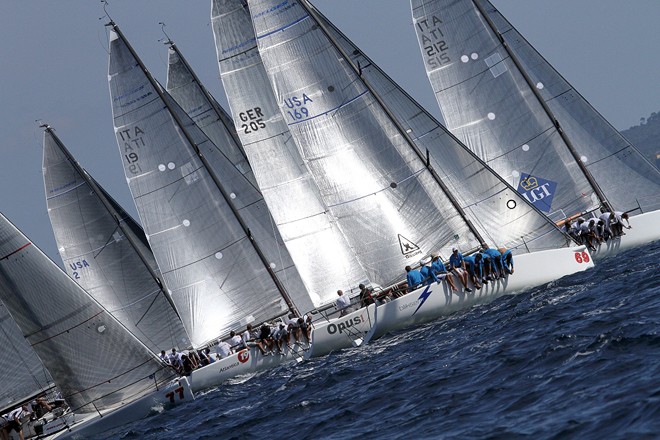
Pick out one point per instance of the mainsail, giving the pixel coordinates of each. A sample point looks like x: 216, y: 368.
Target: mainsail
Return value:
x: 312, y: 234
x: 21, y: 372
x: 97, y: 364
x: 511, y: 108
x: 104, y: 250
x: 488, y: 200
x: 205, y: 251
x: 372, y: 177
x: 184, y: 86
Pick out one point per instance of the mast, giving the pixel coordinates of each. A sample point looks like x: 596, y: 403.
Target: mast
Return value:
x: 528, y: 80
x: 212, y: 174
x: 115, y: 215
x: 312, y: 12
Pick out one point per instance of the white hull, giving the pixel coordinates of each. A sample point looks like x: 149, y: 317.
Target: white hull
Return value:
x: 431, y: 302
x: 90, y: 425
x: 645, y: 230
x: 339, y: 333
x: 246, y: 361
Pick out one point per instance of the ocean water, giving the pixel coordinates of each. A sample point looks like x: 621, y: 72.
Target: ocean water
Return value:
x: 578, y: 358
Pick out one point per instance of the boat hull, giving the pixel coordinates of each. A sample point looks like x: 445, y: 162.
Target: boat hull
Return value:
x: 645, y: 229
x: 431, y: 302
x: 246, y: 361
x: 90, y: 425
x: 343, y: 332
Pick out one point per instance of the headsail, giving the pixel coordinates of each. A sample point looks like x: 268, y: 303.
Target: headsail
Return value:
x: 97, y: 364
x: 205, y: 251
x: 312, y: 235
x: 105, y: 251
x: 210, y: 117
x: 488, y: 200
x: 371, y: 177
x: 507, y: 104
x: 21, y: 372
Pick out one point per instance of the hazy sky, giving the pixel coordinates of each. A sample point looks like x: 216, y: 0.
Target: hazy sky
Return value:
x: 54, y: 68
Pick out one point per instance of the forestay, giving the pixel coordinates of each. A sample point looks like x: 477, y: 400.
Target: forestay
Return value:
x: 485, y: 102
x: 376, y: 185
x: 310, y: 230
x: 97, y: 364
x: 626, y: 177
x: 210, y: 265
x: 184, y: 86
x: 487, y: 199
x: 105, y: 251
x: 21, y: 372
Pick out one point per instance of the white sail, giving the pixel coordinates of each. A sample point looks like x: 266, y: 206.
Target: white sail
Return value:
x: 370, y: 175
x: 514, y: 110
x: 618, y: 167
x: 104, y: 250
x: 488, y: 200
x: 205, y: 251
x: 190, y: 94
x: 97, y: 364
x: 21, y: 372
x: 310, y: 230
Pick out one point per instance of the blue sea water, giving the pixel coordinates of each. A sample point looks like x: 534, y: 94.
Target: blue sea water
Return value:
x: 578, y: 358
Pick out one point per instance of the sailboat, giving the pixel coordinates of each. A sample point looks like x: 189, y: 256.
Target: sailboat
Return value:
x: 511, y: 107
x: 198, y: 211
x: 23, y: 376
x: 106, y: 376
x: 369, y: 172
x: 104, y: 250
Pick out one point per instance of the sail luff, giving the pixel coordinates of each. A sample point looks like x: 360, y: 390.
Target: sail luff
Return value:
x: 569, y: 145
x: 115, y: 216
x: 312, y: 11
x: 214, y: 177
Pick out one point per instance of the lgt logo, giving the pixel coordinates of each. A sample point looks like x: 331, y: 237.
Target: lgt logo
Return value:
x: 537, y: 191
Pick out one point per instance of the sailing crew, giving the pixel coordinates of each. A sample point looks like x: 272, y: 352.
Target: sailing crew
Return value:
x: 163, y: 357
x: 366, y: 297
x: 222, y: 350
x: 440, y: 271
x: 343, y: 303
x: 247, y: 335
x: 414, y: 278
x: 236, y: 341
x: 470, y: 266
x: 281, y: 337
x: 427, y: 273
x: 175, y: 360
x: 13, y: 422
x: 264, y: 340
x: 457, y: 265
x: 507, y: 260
x: 495, y: 261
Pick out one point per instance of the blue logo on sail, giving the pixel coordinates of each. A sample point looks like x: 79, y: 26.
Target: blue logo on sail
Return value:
x: 539, y: 192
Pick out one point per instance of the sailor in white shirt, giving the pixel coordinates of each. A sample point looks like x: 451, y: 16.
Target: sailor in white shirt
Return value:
x: 343, y: 302
x: 236, y: 341
x: 222, y: 350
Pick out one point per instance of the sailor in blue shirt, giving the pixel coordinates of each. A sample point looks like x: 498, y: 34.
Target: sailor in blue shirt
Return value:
x: 495, y: 261
x: 457, y: 265
x: 427, y: 273
x: 470, y: 264
x: 414, y: 278
x: 439, y: 269
x: 507, y: 260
